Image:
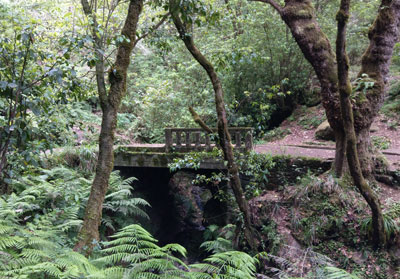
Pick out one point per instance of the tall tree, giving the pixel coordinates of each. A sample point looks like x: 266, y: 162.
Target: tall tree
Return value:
x: 109, y: 101
x: 222, y: 123
x: 352, y: 132
x: 345, y: 91
x: 299, y: 16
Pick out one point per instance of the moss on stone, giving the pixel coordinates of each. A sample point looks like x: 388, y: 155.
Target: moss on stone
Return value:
x: 140, y: 161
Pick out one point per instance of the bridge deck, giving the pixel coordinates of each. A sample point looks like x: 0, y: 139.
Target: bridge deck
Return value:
x: 155, y: 155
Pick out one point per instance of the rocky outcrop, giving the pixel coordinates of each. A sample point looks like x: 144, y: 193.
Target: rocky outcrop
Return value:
x: 324, y: 132
x: 189, y: 200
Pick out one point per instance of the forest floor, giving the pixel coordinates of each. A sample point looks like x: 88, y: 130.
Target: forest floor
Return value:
x: 306, y: 208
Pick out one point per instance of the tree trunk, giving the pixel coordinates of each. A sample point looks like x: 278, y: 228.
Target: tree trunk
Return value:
x: 299, y: 16
x: 223, y: 133
x: 110, y: 102
x: 383, y: 35
x: 340, y: 152
x: 345, y: 90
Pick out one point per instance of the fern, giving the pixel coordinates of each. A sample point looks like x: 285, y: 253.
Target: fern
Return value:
x: 27, y: 253
x: 119, y: 198
x: 331, y: 272
x: 218, y: 240
x: 136, y: 251
x: 217, y: 246
x: 230, y: 264
x: 390, y: 225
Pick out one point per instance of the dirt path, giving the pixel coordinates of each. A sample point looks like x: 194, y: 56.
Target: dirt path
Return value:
x: 300, y: 137
x: 324, y: 152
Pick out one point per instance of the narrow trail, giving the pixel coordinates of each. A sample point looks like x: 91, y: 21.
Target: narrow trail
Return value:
x: 323, y: 152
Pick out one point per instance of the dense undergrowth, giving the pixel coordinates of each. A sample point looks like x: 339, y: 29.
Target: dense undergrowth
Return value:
x: 39, y: 222
x: 315, y: 221
x: 330, y: 216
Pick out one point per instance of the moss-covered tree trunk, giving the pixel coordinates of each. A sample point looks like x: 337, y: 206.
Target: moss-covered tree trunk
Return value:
x: 222, y: 124
x: 383, y: 35
x: 345, y: 91
x: 299, y: 16
x: 110, y: 102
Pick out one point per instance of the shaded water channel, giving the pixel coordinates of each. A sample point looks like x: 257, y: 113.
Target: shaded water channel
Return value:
x: 180, y: 211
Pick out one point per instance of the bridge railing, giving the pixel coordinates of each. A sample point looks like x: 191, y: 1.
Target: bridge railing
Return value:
x: 196, y: 139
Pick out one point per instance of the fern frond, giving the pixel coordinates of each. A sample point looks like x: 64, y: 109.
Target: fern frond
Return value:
x: 173, y: 247
x: 199, y: 275
x: 39, y: 241
x: 35, y: 255
x: 11, y: 242
x: 217, y: 246
x: 332, y: 272
x: 114, y: 272
x: 69, y: 225
x: 107, y: 222
x: 43, y: 268
x: 230, y: 264
x: 204, y: 267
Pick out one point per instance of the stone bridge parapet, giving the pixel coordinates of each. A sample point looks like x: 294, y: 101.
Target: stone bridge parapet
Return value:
x: 196, y: 139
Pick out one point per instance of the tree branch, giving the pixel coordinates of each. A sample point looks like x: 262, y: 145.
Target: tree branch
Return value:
x: 152, y: 29
x: 86, y: 7
x: 200, y: 121
x: 101, y: 83
x: 274, y: 4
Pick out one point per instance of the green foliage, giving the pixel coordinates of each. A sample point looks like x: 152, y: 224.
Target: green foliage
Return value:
x: 161, y: 96
x: 269, y: 230
x: 218, y: 240
x: 331, y: 272
x: 61, y: 194
x: 33, y: 86
x: 262, y: 80
x: 119, y: 205
x: 255, y: 166
x: 133, y: 252
x: 325, y: 204
x: 390, y: 221
x: 381, y: 143
x: 192, y: 160
x: 308, y: 118
x: 230, y: 264
x: 34, y: 245
x: 276, y: 134
x: 38, y: 225
x: 257, y: 109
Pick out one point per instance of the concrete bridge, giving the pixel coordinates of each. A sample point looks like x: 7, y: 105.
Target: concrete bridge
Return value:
x: 179, y: 141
